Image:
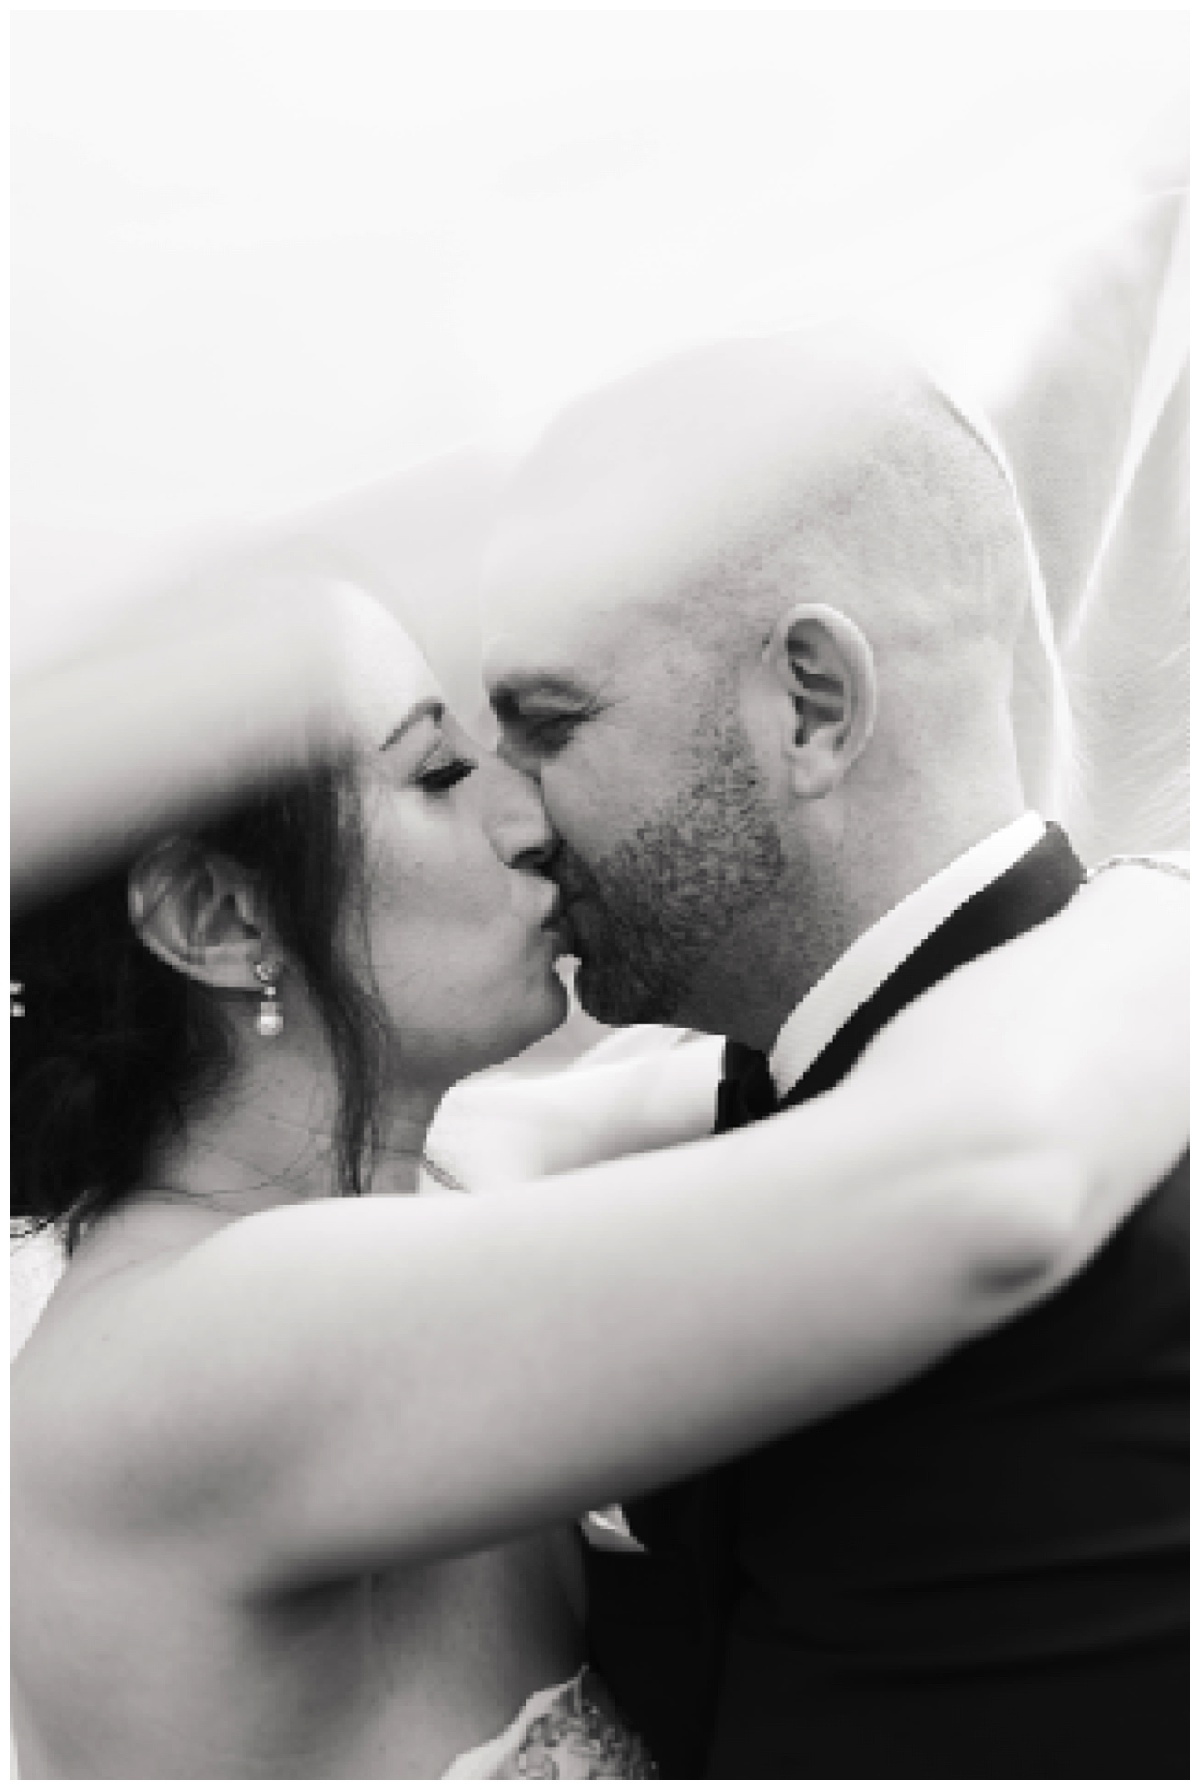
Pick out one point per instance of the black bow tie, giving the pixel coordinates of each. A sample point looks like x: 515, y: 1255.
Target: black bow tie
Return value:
x: 746, y: 1091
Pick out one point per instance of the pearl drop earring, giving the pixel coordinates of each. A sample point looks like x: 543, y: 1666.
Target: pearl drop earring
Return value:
x: 270, y: 1015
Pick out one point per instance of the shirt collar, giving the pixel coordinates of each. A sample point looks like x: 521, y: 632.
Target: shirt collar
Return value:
x: 879, y: 951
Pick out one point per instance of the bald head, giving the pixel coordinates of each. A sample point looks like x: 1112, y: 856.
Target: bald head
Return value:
x: 790, y: 545
x: 708, y: 488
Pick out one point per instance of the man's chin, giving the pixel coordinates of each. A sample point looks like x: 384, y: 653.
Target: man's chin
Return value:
x: 611, y: 995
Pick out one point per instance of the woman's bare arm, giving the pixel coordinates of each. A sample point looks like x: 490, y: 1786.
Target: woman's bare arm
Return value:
x: 331, y: 1388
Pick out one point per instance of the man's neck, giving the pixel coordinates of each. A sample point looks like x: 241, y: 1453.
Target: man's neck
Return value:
x: 837, y: 898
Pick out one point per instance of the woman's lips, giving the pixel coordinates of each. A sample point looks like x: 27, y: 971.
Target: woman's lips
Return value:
x: 558, y: 924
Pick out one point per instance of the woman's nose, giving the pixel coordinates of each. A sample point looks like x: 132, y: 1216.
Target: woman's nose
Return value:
x: 516, y: 817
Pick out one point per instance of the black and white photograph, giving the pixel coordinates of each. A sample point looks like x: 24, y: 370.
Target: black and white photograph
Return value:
x: 599, y: 883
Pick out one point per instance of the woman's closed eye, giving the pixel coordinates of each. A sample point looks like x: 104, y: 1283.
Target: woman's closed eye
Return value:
x: 439, y: 775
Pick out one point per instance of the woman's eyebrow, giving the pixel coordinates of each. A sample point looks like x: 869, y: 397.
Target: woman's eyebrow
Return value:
x: 432, y: 708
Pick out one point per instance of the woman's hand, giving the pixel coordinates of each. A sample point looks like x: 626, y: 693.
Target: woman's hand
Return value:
x: 503, y: 1129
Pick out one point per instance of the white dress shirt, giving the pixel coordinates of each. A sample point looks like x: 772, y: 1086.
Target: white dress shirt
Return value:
x: 874, y: 956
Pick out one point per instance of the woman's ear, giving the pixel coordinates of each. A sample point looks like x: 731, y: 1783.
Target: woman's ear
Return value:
x: 199, y: 911
x: 824, y: 665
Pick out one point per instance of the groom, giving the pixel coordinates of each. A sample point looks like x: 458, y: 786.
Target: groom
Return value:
x: 754, y: 613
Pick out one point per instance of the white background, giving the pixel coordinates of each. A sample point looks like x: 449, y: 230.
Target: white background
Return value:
x: 263, y: 256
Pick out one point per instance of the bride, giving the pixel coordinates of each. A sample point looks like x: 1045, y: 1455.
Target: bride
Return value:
x: 295, y: 1477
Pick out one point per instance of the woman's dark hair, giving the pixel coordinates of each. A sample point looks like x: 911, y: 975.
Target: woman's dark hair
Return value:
x: 114, y: 1049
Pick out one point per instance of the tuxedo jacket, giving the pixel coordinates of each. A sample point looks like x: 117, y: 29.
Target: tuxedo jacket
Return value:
x: 981, y: 1574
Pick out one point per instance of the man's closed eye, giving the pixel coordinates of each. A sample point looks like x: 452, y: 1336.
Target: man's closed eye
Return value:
x: 543, y: 733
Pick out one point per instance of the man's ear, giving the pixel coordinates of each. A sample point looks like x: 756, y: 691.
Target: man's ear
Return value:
x: 199, y: 911
x: 825, y: 666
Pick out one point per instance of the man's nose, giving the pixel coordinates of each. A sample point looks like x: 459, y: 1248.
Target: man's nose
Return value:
x: 517, y: 821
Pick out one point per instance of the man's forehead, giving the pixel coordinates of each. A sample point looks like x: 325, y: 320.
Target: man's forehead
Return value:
x: 569, y: 584
x: 556, y: 663
x: 641, y: 489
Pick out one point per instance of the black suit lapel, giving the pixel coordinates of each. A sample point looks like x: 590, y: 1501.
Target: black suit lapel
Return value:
x: 1038, y: 886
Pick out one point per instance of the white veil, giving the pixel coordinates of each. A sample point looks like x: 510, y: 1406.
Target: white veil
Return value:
x: 1087, y: 414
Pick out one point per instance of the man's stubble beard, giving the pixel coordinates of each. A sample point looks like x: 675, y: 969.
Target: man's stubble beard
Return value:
x: 661, y: 906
